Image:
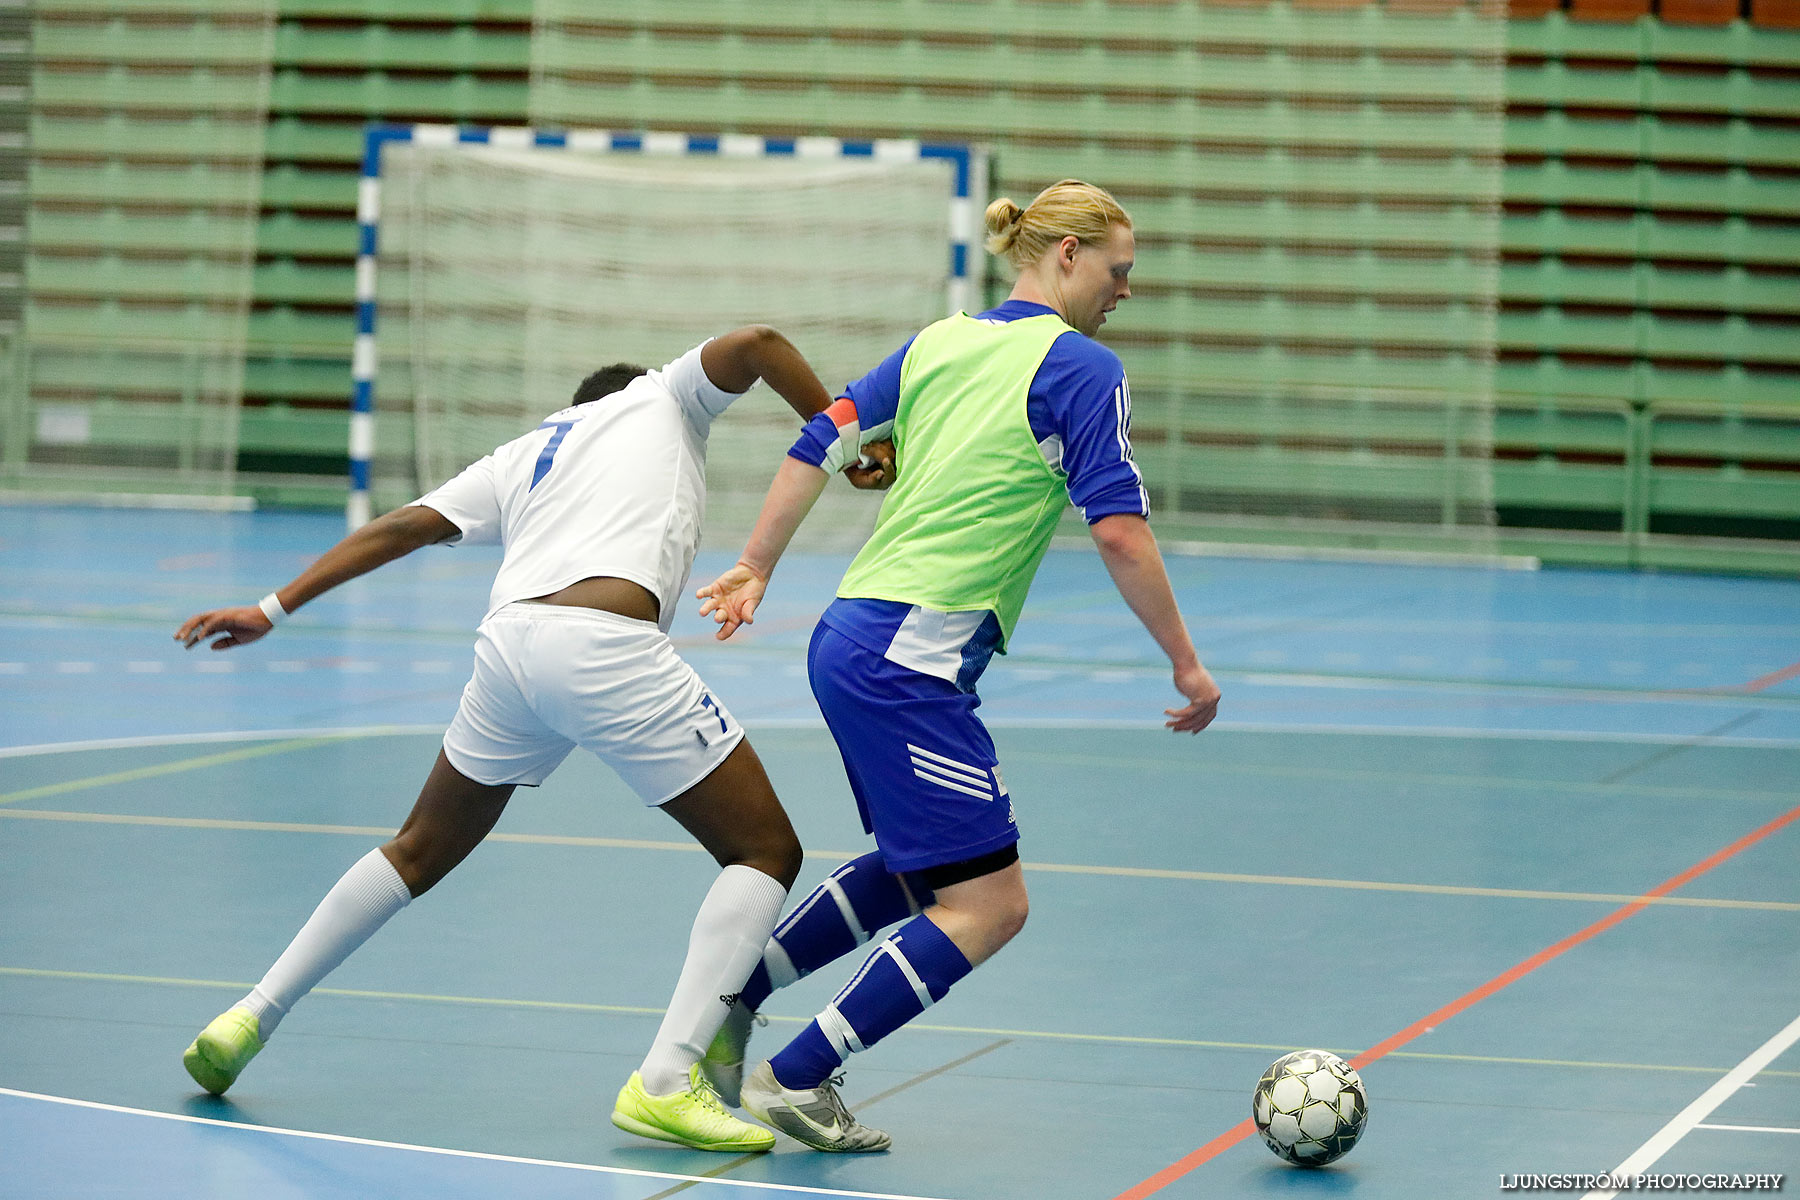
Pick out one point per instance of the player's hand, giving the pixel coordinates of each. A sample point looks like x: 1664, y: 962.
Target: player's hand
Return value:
x: 880, y: 476
x: 240, y: 626
x: 731, y: 599
x: 1196, y: 683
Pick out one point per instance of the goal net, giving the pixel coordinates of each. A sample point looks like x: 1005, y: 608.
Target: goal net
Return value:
x: 507, y: 274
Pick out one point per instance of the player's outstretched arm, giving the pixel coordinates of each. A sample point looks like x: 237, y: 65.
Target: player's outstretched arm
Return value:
x: 382, y: 540
x: 731, y: 599
x: 736, y: 360
x: 1129, y: 550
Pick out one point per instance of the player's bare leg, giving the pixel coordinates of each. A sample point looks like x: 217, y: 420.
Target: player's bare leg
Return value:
x: 983, y: 914
x: 449, y: 819
x: 736, y: 816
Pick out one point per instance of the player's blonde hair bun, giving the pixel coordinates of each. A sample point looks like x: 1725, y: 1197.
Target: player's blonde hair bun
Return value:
x: 1066, y: 208
x: 1004, y: 220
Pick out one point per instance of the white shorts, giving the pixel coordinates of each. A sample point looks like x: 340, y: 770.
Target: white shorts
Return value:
x: 551, y: 677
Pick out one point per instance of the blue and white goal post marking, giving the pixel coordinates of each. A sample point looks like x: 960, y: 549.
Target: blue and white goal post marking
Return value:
x: 968, y: 164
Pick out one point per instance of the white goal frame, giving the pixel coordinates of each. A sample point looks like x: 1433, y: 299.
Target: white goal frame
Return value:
x: 969, y: 167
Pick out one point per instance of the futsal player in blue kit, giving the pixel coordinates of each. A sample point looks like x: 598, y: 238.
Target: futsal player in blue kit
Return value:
x: 998, y: 422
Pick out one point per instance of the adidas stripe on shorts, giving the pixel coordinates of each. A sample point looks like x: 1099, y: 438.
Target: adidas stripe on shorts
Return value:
x: 921, y: 764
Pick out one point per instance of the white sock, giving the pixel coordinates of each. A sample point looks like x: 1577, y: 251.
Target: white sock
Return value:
x: 357, y: 905
x: 730, y: 930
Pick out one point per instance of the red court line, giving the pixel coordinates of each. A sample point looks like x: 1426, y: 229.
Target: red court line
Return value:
x: 1773, y: 678
x: 1238, y: 1133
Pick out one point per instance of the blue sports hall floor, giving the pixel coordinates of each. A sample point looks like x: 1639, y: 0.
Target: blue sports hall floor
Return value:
x: 1524, y: 844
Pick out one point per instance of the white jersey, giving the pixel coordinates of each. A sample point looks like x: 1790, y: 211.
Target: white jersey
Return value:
x: 616, y: 486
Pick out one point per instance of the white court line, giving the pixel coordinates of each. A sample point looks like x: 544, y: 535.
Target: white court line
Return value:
x: 1534, y: 735
x: 1747, y: 1128
x: 790, y: 723
x: 1426, y: 731
x: 1685, y: 1121
x: 1491, y: 560
x: 1522, y: 690
x: 343, y: 1139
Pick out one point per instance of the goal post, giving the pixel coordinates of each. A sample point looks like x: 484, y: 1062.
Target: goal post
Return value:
x: 498, y: 266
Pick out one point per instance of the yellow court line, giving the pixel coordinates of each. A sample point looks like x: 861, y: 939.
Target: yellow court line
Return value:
x: 168, y: 768
x: 1430, y: 889
x: 381, y: 831
x: 353, y: 993
x: 1571, y: 787
x: 917, y: 1026
x: 838, y: 856
x: 1569, y: 1062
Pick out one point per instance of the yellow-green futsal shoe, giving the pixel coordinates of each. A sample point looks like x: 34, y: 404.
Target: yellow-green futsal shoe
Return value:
x: 224, y: 1048
x: 693, y: 1118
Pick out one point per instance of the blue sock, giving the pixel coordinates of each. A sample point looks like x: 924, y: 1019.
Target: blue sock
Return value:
x: 906, y: 974
x: 857, y: 901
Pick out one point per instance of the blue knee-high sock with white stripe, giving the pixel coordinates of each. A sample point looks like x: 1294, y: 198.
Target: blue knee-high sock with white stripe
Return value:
x: 906, y: 974
x: 857, y: 901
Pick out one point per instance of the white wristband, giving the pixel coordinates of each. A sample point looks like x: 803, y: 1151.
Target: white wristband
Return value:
x: 846, y: 449
x: 271, y: 608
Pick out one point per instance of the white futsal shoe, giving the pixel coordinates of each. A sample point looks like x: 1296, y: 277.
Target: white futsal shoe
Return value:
x: 815, y: 1116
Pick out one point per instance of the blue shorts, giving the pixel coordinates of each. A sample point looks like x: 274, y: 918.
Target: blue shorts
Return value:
x: 921, y: 764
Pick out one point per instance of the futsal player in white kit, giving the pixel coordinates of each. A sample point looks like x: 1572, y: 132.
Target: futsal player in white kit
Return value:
x: 598, y: 511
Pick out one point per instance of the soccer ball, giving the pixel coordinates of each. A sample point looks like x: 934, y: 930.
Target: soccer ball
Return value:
x: 1310, y: 1107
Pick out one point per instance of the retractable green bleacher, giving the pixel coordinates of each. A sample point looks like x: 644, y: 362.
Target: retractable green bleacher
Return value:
x: 15, y: 169
x: 1411, y: 275
x: 337, y: 66
x: 146, y: 141
x: 1653, y: 268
